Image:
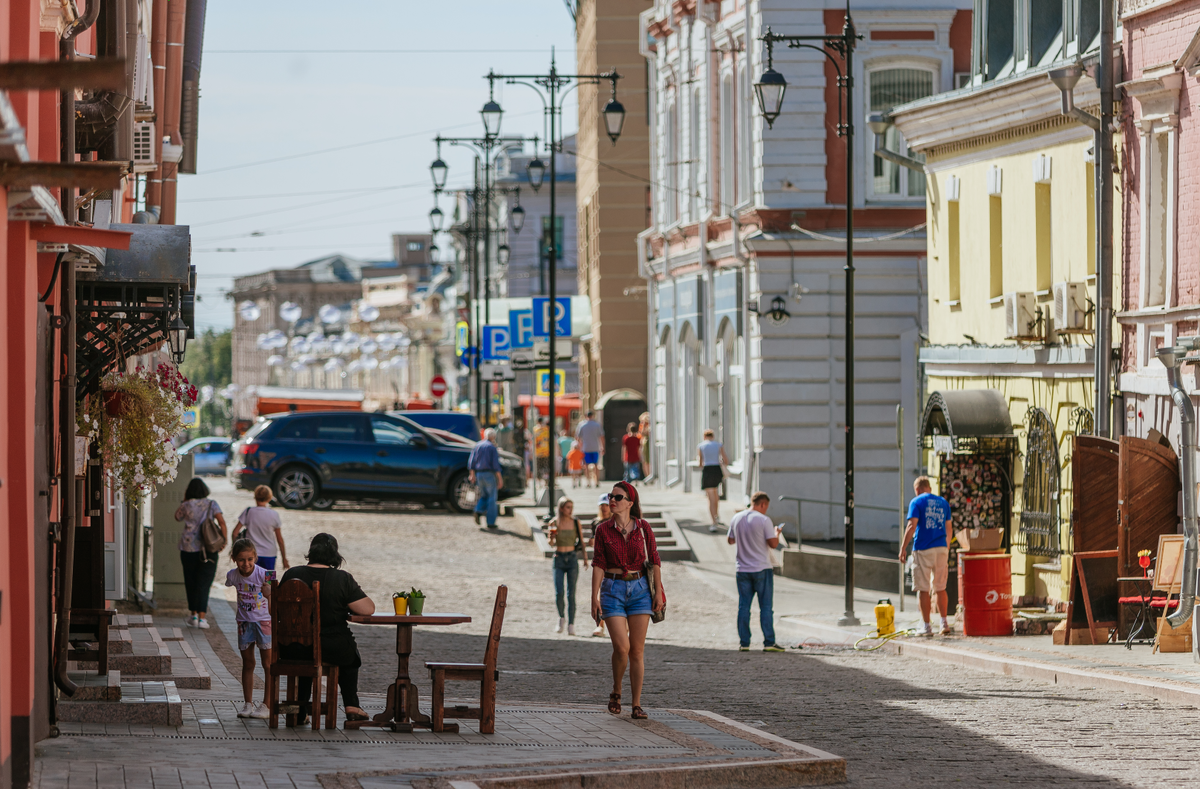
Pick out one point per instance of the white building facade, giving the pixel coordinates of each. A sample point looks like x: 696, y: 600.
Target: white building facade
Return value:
x: 746, y: 218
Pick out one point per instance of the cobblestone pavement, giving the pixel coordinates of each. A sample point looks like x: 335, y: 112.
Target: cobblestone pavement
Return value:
x: 898, y: 721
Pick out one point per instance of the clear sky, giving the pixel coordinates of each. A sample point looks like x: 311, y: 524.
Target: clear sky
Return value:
x: 272, y: 90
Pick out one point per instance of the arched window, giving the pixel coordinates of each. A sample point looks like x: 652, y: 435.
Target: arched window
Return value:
x: 726, y: 174
x: 742, y: 117
x: 890, y: 87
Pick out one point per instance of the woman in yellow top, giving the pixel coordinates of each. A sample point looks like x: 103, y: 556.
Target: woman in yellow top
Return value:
x: 568, y: 541
x: 541, y: 447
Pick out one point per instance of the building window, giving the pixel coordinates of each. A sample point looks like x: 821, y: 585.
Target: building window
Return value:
x: 1156, y: 208
x: 1042, y: 236
x: 952, y: 252
x: 996, y: 245
x: 694, y: 159
x: 743, y: 137
x: 726, y: 177
x: 416, y: 246
x: 671, y: 151
x: 888, y: 88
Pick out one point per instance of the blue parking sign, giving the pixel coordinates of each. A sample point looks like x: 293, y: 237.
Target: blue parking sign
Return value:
x: 562, y: 316
x: 495, y: 342
x: 520, y: 328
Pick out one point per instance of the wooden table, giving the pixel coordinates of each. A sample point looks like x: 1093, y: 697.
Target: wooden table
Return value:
x: 403, y: 711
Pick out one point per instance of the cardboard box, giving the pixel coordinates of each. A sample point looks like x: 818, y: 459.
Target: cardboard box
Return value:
x: 979, y: 539
x: 1174, y: 639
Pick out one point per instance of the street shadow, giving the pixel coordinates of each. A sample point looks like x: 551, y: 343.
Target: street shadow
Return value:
x: 874, y: 721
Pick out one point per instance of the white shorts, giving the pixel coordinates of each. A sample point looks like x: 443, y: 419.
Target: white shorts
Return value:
x: 930, y: 564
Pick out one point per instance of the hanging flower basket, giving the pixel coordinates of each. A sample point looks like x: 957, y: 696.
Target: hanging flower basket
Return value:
x: 132, y: 420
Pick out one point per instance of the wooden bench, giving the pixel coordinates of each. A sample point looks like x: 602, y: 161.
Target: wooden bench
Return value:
x: 484, y: 673
x: 296, y: 619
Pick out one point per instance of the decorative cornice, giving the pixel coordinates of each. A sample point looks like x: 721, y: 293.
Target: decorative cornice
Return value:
x: 1000, y: 137
x: 1131, y: 8
x: 1157, y: 95
x: 1006, y: 106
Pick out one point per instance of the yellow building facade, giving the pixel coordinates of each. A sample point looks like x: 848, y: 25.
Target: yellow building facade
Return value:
x: 1011, y: 237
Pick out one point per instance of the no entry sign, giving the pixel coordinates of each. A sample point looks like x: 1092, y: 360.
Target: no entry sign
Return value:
x: 437, y: 387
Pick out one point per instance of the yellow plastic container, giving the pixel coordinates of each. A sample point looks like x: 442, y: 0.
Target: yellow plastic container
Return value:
x: 401, y: 605
x: 885, y: 617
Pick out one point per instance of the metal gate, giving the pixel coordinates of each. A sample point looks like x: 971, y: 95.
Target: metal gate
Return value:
x: 1039, y: 496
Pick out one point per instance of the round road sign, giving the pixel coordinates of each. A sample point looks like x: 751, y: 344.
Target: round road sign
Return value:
x: 437, y: 387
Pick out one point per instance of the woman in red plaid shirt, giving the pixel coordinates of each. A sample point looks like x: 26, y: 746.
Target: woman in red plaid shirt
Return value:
x: 621, y: 590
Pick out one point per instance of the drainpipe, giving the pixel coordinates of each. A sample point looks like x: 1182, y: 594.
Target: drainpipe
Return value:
x: 169, y: 112
x: 189, y: 115
x: 66, y: 404
x: 1171, y: 358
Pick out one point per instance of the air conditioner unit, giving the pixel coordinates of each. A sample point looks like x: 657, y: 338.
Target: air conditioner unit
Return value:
x: 1020, y: 317
x: 143, y: 148
x: 1070, y: 306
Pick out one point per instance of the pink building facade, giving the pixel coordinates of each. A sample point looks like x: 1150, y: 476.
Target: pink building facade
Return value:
x: 1160, y: 218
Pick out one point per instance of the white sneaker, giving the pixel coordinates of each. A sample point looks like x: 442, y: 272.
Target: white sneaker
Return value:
x: 261, y: 711
x: 570, y: 630
x: 599, y: 631
x: 202, y: 624
x: 247, y: 710
x: 192, y: 620
x: 712, y: 528
x: 561, y: 622
x: 926, y: 629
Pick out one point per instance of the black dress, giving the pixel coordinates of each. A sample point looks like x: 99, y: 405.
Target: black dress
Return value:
x: 338, y: 647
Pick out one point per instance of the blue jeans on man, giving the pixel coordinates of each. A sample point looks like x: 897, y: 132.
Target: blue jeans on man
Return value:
x: 761, y: 583
x: 488, y: 501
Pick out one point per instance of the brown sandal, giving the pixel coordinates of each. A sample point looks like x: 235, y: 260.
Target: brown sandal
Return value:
x: 614, y: 703
x: 638, y: 714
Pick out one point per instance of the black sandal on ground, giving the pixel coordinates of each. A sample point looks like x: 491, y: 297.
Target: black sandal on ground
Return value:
x: 638, y: 714
x: 614, y: 703
x: 356, y: 716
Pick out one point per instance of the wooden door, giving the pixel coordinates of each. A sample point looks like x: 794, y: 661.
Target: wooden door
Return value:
x: 1149, y: 491
x: 1094, y: 471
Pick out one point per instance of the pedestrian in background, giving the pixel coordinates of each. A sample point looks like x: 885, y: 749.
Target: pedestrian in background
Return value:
x: 929, y: 529
x: 263, y: 527
x: 625, y: 550
x: 564, y: 448
x: 575, y: 463
x: 485, y: 472
x: 567, y: 537
x: 752, y: 532
x: 631, y: 453
x: 591, y: 439
x: 603, y: 513
x: 541, y: 441
x: 504, y: 435
x: 644, y: 434
x: 252, y: 583
x: 712, y: 459
x: 199, y: 566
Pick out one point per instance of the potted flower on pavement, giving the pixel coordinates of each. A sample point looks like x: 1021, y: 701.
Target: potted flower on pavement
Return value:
x: 416, y: 602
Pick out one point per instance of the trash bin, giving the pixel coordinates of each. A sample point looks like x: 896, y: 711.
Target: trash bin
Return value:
x: 985, y: 581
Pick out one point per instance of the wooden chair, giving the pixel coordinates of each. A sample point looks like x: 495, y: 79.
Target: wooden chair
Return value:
x: 484, y: 673
x: 87, y: 624
x: 296, y: 619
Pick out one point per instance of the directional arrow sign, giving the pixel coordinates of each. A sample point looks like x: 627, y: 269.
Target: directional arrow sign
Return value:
x: 496, y: 372
x: 520, y: 359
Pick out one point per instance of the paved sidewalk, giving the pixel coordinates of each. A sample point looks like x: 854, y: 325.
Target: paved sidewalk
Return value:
x: 214, y: 748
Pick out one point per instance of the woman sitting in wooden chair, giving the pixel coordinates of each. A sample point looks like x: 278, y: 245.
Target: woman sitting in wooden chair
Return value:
x: 340, y: 596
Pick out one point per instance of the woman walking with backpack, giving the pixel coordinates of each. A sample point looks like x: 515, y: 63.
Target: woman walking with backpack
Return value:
x: 199, y: 564
x: 626, y: 568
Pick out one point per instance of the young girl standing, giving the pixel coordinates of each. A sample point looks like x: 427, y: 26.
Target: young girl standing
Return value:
x: 253, y: 620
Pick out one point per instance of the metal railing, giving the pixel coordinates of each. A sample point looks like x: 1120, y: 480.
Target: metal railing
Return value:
x: 800, y: 502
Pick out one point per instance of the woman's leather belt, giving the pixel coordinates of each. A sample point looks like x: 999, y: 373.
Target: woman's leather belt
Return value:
x: 626, y: 576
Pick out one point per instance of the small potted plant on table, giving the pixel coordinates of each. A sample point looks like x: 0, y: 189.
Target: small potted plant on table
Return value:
x: 416, y: 602
x: 400, y: 603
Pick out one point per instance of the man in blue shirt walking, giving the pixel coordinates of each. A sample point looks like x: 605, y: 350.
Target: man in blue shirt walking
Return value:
x: 929, y: 529
x: 486, y: 474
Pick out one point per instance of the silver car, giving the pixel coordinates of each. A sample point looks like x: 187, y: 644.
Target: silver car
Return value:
x: 210, y: 454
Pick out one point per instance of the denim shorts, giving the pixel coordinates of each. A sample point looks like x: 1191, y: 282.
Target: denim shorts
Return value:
x: 625, y: 598
x: 252, y: 633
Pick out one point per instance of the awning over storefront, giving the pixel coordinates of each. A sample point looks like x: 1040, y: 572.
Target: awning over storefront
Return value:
x: 969, y: 416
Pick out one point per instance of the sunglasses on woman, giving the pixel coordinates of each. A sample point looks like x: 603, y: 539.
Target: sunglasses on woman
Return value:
x: 615, y: 497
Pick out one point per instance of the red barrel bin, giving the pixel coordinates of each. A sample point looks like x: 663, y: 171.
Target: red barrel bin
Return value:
x: 985, y: 583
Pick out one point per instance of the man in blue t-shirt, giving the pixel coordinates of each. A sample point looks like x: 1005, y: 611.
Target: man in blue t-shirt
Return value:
x: 929, y: 530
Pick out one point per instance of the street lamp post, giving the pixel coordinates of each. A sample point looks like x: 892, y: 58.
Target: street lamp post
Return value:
x: 770, y: 90
x: 486, y: 148
x: 549, y: 87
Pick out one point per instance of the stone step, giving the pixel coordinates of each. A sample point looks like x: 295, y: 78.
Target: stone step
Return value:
x: 148, y: 655
x: 91, y: 686
x: 171, y: 634
x: 155, y: 703
x: 126, y: 621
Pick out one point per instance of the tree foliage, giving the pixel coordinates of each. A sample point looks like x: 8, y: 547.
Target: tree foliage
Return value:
x: 209, y: 362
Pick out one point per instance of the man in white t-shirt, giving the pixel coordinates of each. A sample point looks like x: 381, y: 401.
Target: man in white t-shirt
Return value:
x: 755, y: 537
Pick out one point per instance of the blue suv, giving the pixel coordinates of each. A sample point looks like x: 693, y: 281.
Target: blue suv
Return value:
x: 313, y: 459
